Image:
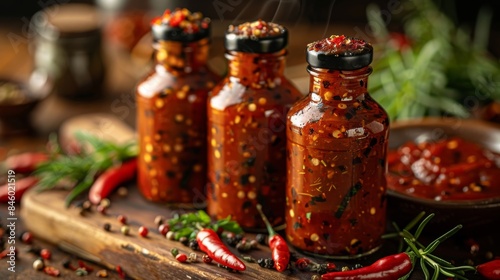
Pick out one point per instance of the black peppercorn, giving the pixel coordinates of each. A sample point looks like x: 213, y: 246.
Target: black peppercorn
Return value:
x: 184, y: 240
x: 107, y: 227
x: 261, y: 238
x: 193, y: 244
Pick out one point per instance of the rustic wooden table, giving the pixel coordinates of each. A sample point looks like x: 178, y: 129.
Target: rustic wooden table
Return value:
x: 123, y: 73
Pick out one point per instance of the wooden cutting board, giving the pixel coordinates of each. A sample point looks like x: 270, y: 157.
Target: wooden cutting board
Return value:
x: 45, y: 215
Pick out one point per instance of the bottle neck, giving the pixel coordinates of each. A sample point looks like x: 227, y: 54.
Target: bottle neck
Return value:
x: 256, y: 69
x: 338, y: 85
x: 181, y: 58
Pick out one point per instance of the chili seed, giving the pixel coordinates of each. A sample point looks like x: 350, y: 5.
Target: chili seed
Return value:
x: 45, y: 254
x: 107, y: 227
x: 182, y: 258
x: 125, y: 230
x: 143, y: 231
x: 315, y: 277
x: 206, y: 259
x: 122, y: 219
x: 252, y: 107
x: 38, y: 264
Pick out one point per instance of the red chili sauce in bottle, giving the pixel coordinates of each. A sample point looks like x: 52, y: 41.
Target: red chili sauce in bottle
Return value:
x: 171, y: 110
x: 336, y: 155
x: 450, y: 169
x: 247, y: 127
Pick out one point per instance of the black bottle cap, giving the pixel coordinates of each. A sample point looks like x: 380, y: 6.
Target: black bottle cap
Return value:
x: 339, y: 52
x: 256, y: 37
x: 180, y: 25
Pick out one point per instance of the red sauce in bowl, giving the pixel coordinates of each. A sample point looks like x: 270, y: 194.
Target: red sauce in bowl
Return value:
x: 452, y: 169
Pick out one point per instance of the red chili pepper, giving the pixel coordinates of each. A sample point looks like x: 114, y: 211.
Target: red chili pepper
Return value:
x: 111, y: 179
x: 13, y: 191
x: 390, y: 267
x: 279, y: 248
x: 212, y: 245
x: 25, y: 162
x: 490, y: 270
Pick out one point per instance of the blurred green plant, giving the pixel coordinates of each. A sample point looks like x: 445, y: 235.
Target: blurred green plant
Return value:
x: 435, y: 67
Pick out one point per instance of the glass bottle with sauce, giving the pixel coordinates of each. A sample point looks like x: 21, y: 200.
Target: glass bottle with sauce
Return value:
x: 247, y: 128
x: 171, y: 111
x: 337, y: 140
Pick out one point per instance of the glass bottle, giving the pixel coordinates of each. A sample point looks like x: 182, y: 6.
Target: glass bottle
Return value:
x: 337, y: 144
x: 171, y: 111
x: 246, y: 127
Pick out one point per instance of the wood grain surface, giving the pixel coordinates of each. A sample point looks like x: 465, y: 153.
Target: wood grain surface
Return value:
x: 141, y: 258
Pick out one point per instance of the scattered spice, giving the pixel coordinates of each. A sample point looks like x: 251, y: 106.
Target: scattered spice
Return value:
x: 206, y: 259
x: 52, y: 271
x: 256, y: 29
x: 181, y: 257
x: 339, y: 45
x: 46, y: 254
x: 183, y: 19
x: 122, y: 219
x: 174, y: 252
x: 102, y: 273
x: 125, y: 230
x: 81, y: 272
x: 143, y: 231
x: 159, y: 221
x: 38, y: 264
x: 107, y: 227
x: 27, y: 237
x: 163, y: 229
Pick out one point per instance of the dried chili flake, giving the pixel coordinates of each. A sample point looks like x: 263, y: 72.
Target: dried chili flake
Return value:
x: 183, y: 19
x: 339, y: 45
x: 257, y: 29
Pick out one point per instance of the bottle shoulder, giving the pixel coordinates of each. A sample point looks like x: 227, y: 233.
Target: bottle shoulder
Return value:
x: 159, y: 79
x: 232, y: 92
x: 335, y: 114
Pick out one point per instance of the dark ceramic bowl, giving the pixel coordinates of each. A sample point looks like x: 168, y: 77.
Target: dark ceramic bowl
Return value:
x: 473, y: 214
x: 17, y: 101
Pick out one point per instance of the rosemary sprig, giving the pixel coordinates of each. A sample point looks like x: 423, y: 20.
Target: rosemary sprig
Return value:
x: 428, y: 262
x: 78, y: 171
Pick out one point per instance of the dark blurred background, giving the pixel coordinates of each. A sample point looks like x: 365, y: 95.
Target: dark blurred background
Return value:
x: 310, y: 10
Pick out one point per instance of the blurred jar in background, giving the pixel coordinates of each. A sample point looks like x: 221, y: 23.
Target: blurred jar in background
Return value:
x: 68, y: 49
